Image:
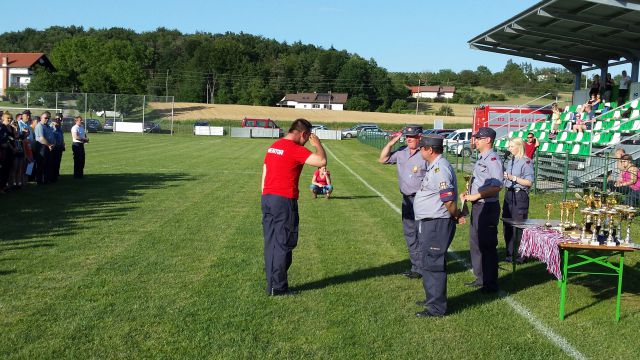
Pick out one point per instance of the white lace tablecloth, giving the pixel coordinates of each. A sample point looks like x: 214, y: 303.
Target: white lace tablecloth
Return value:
x: 542, y: 244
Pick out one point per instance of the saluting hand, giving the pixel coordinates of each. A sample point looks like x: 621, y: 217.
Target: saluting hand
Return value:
x: 315, y: 140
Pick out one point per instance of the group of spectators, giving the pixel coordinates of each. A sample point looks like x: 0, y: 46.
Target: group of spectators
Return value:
x: 31, y: 149
x: 626, y: 178
x: 606, y: 89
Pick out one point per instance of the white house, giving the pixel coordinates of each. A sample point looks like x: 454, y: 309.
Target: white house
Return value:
x: 432, y: 92
x: 17, y: 68
x: 315, y: 101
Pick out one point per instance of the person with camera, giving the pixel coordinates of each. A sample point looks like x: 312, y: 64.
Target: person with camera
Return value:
x: 79, y: 137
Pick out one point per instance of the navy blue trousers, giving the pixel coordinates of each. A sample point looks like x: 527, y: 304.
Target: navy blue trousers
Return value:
x: 280, y: 227
x: 435, y: 237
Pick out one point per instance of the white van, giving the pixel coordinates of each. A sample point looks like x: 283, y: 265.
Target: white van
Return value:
x: 459, y: 136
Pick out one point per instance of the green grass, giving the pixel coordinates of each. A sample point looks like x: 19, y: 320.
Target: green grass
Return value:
x: 158, y: 254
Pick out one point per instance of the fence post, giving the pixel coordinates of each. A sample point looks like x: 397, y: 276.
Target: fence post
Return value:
x: 606, y: 172
x: 565, y: 183
x: 461, y: 154
x: 535, y: 173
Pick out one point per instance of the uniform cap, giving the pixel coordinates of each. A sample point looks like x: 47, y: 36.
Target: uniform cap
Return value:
x: 429, y: 141
x: 485, y: 132
x: 26, y: 112
x: 412, y: 130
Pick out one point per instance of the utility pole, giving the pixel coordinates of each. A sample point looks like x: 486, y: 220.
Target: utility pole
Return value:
x: 418, y: 97
x: 166, y: 85
x: 213, y: 90
x: 207, y: 91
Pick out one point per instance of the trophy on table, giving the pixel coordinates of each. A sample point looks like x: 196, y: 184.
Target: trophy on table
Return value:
x: 549, y: 207
x: 610, y: 221
x: 630, y: 214
x: 467, y: 186
x: 574, y: 207
x: 596, y: 231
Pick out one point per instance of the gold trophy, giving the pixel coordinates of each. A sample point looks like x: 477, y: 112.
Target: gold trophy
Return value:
x: 549, y: 207
x: 630, y: 214
x: 467, y: 186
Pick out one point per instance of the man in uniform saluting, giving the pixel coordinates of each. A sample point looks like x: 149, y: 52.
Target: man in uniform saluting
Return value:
x: 436, y: 213
x: 485, y: 212
x: 411, y: 170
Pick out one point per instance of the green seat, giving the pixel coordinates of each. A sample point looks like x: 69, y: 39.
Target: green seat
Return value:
x: 572, y: 108
x: 602, y: 139
x: 548, y: 147
x: 542, y: 136
x: 580, y: 150
x: 583, y: 137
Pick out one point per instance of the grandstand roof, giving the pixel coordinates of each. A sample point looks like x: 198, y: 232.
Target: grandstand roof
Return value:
x: 573, y: 33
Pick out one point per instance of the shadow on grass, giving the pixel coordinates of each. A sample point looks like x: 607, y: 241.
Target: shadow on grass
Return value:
x: 7, y: 272
x: 53, y: 210
x: 394, y: 268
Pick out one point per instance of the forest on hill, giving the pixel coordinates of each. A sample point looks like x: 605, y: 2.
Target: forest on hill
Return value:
x: 239, y: 68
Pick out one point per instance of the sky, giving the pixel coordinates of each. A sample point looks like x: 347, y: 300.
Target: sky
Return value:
x: 424, y: 35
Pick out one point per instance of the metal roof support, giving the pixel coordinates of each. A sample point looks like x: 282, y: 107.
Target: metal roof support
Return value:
x: 634, y: 70
x: 576, y: 70
x: 588, y: 20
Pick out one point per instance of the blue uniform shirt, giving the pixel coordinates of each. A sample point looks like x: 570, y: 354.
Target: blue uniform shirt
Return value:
x: 487, y: 172
x: 521, y: 168
x: 411, y: 169
x: 58, y: 135
x: 440, y: 185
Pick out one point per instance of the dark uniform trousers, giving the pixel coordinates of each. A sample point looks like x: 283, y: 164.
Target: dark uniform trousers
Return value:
x: 56, y: 160
x: 483, y: 243
x: 78, y: 159
x: 43, y: 163
x: 435, y: 237
x: 280, y: 226
x: 410, y: 234
x: 515, y: 206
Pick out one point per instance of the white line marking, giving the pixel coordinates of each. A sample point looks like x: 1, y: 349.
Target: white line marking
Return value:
x: 519, y: 308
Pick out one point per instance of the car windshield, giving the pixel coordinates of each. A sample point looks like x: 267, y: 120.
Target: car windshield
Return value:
x: 452, y: 135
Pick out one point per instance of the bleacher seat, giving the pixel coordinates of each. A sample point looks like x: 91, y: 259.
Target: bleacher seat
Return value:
x: 580, y: 150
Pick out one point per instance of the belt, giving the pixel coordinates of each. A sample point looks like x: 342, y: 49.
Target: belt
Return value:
x: 517, y: 190
x: 410, y: 195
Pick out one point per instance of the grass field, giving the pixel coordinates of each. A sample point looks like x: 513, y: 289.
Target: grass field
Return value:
x: 158, y: 254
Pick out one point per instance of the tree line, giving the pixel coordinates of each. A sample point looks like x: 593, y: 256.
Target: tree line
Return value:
x: 239, y: 68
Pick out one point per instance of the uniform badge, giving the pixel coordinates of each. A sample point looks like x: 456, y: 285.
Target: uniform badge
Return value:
x: 494, y: 159
x: 436, y: 170
x: 443, y: 185
x: 415, y: 169
x: 528, y: 162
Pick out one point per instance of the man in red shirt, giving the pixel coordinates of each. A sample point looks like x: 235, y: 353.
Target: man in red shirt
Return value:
x: 530, y: 146
x: 280, y: 174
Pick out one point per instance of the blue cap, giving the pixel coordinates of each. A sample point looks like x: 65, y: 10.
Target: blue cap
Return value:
x: 484, y: 132
x: 412, y: 130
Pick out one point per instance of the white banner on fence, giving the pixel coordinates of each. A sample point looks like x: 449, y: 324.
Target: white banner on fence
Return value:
x: 128, y: 127
x: 329, y: 134
x: 241, y: 132
x: 209, y: 130
x: 257, y: 132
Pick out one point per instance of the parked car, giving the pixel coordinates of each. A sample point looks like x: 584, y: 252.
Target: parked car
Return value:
x: 92, y: 125
x: 262, y: 123
x: 199, y: 123
x: 440, y: 132
x: 108, y: 125
x: 461, y: 149
x: 353, y: 131
x: 151, y: 127
x: 318, y: 127
x: 458, y: 136
x: 67, y: 123
x: 375, y: 132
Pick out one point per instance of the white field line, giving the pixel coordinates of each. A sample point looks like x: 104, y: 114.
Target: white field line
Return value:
x: 561, y: 342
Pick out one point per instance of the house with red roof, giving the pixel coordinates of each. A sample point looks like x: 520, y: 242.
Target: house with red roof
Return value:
x: 432, y: 92
x: 16, y: 69
x: 315, y: 101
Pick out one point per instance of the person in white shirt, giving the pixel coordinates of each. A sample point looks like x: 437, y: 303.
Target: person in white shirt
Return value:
x: 623, y: 88
x: 79, y: 135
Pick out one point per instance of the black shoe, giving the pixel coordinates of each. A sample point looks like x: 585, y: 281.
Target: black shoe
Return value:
x: 412, y: 274
x: 473, y: 284
x: 520, y: 260
x: 286, y: 292
x: 508, y: 259
x: 421, y: 303
x: 426, y: 314
x: 487, y: 290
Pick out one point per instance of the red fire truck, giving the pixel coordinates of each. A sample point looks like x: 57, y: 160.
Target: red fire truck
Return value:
x: 506, y: 118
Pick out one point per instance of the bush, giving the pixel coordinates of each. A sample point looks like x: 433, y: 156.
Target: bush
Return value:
x: 398, y: 105
x: 445, y: 110
x: 357, y: 103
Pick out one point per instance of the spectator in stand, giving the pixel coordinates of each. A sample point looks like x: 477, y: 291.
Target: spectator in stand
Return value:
x: 597, y: 103
x: 555, y: 119
x: 531, y: 146
x: 575, y: 118
x: 58, y: 147
x: 629, y: 178
x: 623, y: 89
x: 591, y: 101
x: 608, y: 87
x: 584, y: 119
x: 617, y: 172
x: 321, y: 183
x: 595, y: 85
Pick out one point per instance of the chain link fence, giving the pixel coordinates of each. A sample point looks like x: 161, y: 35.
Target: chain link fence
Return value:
x: 155, y: 113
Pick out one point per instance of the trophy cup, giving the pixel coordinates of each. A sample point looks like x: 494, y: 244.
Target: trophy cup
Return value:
x: 549, y: 207
x: 597, y: 200
x: 467, y: 186
x: 630, y: 214
x: 574, y: 207
x: 562, y: 206
x: 597, y: 229
x: 610, y: 219
x: 586, y: 219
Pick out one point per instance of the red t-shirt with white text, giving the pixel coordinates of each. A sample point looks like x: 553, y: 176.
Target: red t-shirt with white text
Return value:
x: 284, y: 161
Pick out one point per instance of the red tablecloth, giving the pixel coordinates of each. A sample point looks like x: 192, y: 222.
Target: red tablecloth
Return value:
x: 542, y: 244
